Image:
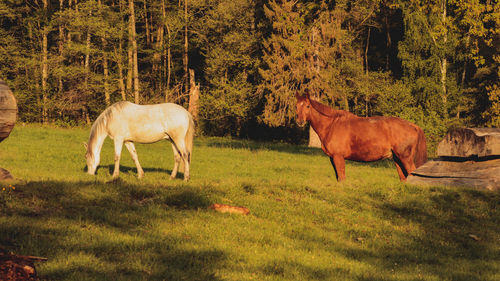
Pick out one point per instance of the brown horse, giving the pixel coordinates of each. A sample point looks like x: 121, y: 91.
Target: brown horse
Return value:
x: 346, y: 136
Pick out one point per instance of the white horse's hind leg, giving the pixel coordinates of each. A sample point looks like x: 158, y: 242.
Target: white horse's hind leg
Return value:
x: 177, y: 161
x: 186, y: 166
x: 185, y: 156
x: 131, y: 148
x: 180, y: 153
x: 118, y: 152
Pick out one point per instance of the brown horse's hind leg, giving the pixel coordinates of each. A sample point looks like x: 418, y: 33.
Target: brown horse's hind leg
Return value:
x: 404, y: 165
x: 401, y: 171
x: 334, y: 169
x: 338, y: 164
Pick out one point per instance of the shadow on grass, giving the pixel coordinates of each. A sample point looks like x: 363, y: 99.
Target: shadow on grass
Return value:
x: 256, y: 146
x: 286, y: 148
x: 438, y: 234
x: 96, y: 231
x: 133, y: 170
x: 453, y: 233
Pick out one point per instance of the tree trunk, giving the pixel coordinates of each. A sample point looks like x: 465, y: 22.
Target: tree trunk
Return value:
x: 157, y: 58
x: 314, y: 140
x: 87, y: 62
x: 45, y: 67
x: 169, y: 65
x: 366, y: 50
x: 158, y: 55
x: 119, y: 58
x: 32, y: 73
x: 194, y: 96
x: 130, y: 56
x: 444, y: 65
x: 388, y: 42
x: 120, y: 70
x: 134, y: 51
x: 87, y: 73
x: 107, y: 95
x: 185, y: 56
x: 61, y: 47
x: 148, y: 32
x: 462, y: 82
x: 346, y: 102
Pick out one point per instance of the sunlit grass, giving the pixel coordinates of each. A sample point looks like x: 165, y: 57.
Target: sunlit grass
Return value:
x: 303, y: 225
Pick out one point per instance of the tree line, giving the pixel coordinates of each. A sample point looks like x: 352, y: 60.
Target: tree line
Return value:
x: 236, y: 64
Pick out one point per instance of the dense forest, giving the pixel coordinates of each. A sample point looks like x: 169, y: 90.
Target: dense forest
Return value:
x: 236, y: 64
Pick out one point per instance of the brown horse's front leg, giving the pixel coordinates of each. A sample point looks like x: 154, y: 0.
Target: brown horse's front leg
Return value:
x: 338, y: 164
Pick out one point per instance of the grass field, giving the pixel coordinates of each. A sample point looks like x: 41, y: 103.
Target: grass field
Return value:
x: 303, y: 225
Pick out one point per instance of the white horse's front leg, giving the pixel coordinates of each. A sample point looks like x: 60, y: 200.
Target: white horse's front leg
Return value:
x: 118, y: 152
x: 177, y: 161
x: 131, y: 148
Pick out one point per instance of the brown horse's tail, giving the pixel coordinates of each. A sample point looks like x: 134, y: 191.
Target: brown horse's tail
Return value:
x: 421, y: 153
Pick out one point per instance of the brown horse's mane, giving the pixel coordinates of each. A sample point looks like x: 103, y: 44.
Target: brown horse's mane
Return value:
x: 328, y: 111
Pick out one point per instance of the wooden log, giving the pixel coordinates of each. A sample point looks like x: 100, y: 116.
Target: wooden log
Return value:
x: 478, y: 174
x: 5, y: 175
x: 470, y: 142
x: 223, y: 208
x: 14, y: 267
x: 8, y: 111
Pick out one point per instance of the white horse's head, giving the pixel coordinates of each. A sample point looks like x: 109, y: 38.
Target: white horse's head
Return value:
x: 92, y: 160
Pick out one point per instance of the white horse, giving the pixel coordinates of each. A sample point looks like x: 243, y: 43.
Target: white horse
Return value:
x: 126, y: 122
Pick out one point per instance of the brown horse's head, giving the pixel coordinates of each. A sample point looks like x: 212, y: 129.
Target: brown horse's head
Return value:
x: 303, y: 109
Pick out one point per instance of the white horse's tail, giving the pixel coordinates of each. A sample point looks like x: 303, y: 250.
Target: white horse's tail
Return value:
x: 189, y: 138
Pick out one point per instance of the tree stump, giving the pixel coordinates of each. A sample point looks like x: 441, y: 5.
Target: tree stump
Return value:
x: 8, y: 115
x: 467, y: 157
x: 8, y: 111
x: 314, y: 140
x: 470, y: 142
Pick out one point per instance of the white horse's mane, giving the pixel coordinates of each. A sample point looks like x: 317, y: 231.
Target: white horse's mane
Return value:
x: 99, y: 126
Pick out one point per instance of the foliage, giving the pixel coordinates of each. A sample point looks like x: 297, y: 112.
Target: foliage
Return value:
x: 251, y: 56
x: 228, y: 38
x: 285, y: 61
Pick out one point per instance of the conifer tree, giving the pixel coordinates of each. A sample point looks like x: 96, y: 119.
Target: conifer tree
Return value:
x: 284, y: 71
x: 228, y: 38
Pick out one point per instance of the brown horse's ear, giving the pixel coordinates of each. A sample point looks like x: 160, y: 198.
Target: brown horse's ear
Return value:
x: 297, y: 96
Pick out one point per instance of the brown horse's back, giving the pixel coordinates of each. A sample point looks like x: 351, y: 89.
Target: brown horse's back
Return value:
x: 368, y: 138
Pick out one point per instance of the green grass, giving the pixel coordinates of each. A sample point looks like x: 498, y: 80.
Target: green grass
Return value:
x: 303, y: 225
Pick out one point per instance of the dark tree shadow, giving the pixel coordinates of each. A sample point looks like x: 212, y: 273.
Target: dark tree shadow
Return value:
x: 256, y: 146
x: 125, y: 213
